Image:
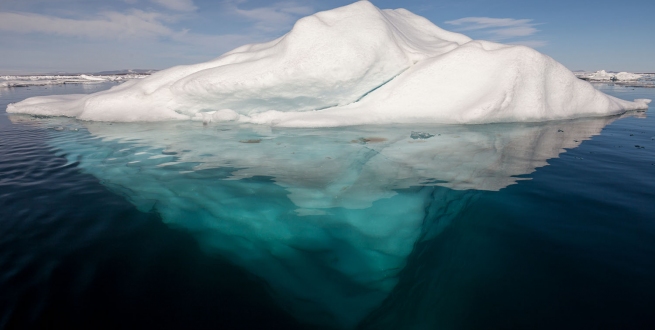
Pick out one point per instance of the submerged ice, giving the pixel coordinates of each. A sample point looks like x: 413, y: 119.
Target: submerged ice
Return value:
x: 350, y: 66
x: 326, y: 217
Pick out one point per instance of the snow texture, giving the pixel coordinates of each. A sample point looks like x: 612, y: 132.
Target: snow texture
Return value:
x: 352, y: 65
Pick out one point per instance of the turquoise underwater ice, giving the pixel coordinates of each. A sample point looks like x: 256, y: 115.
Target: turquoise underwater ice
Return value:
x: 326, y: 217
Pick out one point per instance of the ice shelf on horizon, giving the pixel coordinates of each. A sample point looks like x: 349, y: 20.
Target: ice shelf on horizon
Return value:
x: 9, y: 81
x: 603, y: 75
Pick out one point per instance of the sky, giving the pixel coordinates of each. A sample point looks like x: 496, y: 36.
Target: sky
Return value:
x: 85, y: 36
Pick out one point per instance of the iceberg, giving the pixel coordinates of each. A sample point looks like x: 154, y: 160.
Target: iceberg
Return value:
x: 353, y: 65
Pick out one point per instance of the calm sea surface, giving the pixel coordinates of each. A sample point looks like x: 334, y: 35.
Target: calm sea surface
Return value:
x: 185, y: 225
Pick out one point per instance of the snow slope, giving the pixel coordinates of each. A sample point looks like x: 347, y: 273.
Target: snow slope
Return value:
x: 352, y: 65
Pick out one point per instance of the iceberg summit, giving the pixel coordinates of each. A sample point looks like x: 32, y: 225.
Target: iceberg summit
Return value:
x: 352, y: 65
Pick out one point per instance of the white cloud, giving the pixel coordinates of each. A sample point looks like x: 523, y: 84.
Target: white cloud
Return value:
x: 108, y: 25
x: 476, y: 23
x: 120, y: 27
x: 271, y: 18
x: 531, y: 43
x: 178, y: 5
x: 496, y: 28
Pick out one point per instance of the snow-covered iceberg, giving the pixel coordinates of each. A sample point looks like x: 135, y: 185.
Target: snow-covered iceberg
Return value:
x: 352, y: 65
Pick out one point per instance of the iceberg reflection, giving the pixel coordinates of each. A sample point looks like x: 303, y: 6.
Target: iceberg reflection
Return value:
x: 326, y: 217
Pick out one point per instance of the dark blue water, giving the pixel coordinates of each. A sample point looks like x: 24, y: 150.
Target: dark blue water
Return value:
x: 503, y: 230
x: 75, y: 255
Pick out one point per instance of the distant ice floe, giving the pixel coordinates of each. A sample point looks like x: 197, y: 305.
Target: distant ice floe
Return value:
x: 603, y: 75
x: 46, y: 80
x: 620, y: 78
x: 354, y: 65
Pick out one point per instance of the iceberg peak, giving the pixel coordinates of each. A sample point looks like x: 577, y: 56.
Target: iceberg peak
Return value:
x: 352, y: 65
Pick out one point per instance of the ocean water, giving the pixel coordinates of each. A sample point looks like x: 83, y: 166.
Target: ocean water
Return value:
x: 185, y: 225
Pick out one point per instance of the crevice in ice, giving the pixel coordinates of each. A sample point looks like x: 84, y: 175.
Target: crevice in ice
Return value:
x: 327, y: 107
x: 377, y: 87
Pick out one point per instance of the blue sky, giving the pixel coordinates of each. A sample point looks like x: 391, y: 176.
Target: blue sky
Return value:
x: 97, y: 35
